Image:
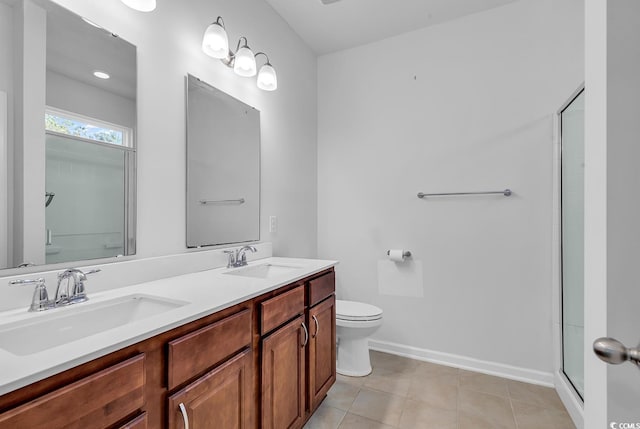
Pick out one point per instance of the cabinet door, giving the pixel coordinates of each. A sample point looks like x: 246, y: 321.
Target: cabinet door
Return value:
x: 283, y: 376
x: 322, y: 350
x: 219, y: 399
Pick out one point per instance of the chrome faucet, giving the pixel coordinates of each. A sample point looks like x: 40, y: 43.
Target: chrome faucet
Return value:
x: 238, y: 258
x: 65, y: 295
x: 73, y: 295
x: 241, y: 257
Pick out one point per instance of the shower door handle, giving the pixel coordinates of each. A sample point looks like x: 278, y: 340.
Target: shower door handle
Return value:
x: 614, y: 352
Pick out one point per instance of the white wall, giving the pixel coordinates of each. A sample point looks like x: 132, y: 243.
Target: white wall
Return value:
x: 88, y: 100
x: 168, y: 42
x: 462, y: 106
x: 4, y: 237
x: 28, y: 110
x: 6, y: 132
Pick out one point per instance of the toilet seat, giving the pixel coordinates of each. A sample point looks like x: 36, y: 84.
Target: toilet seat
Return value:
x: 357, y: 311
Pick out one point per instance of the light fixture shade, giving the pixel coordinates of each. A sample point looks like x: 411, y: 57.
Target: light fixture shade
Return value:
x: 215, y: 42
x: 244, y: 63
x: 141, y: 5
x: 267, y: 78
x: 101, y: 74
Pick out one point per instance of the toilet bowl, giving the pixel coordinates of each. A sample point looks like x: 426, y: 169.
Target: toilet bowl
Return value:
x: 355, y: 323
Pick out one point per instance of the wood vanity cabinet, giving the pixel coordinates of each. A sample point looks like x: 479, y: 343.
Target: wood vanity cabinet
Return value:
x: 264, y: 363
x: 100, y: 400
x: 322, y: 351
x: 222, y: 396
x: 139, y: 422
x: 299, y: 358
x: 283, y: 377
x: 219, y: 399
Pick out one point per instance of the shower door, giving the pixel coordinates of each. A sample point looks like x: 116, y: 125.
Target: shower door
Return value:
x: 572, y: 213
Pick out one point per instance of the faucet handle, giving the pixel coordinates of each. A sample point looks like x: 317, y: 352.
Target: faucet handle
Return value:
x: 231, y: 254
x: 79, y: 293
x: 40, y: 300
x: 36, y: 282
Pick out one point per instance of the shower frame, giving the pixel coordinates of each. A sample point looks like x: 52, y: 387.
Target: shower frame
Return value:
x: 569, y: 395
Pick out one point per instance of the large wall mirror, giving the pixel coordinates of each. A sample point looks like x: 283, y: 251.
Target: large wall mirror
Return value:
x: 67, y: 137
x: 223, y: 167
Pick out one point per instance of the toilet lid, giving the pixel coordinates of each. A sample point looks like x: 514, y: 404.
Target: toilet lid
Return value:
x: 352, y: 310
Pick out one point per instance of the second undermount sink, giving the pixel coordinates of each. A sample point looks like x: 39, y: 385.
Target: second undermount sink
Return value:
x: 60, y: 326
x: 264, y: 271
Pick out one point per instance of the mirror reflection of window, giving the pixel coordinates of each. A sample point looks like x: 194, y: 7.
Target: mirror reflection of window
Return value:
x: 86, y: 185
x: 73, y: 124
x: 82, y: 80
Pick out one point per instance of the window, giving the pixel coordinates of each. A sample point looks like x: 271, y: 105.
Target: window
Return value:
x: 72, y: 124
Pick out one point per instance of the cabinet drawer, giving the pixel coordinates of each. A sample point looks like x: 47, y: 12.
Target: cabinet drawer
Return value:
x: 139, y: 422
x: 281, y: 309
x: 200, y: 350
x: 96, y: 401
x: 321, y: 287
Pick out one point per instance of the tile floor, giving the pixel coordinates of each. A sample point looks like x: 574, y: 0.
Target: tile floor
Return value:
x: 405, y: 393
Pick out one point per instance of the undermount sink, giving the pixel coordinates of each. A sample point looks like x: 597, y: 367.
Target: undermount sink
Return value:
x: 264, y: 271
x: 60, y: 326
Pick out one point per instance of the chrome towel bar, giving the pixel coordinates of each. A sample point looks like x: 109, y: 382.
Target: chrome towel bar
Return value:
x: 506, y: 193
x: 236, y: 201
x: 406, y: 253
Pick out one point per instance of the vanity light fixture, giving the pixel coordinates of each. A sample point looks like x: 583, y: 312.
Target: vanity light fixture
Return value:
x: 267, y: 78
x: 215, y: 43
x: 101, y: 75
x: 141, y: 5
x: 244, y: 62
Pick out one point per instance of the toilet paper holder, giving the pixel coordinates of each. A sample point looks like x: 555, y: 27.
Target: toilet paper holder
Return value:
x: 405, y: 254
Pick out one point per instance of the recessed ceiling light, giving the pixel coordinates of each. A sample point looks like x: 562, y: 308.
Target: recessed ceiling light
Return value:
x: 88, y: 21
x: 101, y: 75
x: 141, y: 5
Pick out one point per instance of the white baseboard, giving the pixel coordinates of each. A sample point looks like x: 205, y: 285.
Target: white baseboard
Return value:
x: 570, y: 400
x: 463, y: 362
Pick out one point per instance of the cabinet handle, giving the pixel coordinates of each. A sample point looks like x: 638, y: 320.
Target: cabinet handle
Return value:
x: 315, y: 319
x: 185, y: 417
x: 306, y: 334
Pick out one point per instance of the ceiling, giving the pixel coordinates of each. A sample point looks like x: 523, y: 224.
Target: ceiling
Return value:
x: 75, y: 49
x: 345, y: 24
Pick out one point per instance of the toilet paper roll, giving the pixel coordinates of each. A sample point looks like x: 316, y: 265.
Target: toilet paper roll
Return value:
x: 396, y: 255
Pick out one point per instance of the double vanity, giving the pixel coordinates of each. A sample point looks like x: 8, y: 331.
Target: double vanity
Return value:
x: 240, y: 347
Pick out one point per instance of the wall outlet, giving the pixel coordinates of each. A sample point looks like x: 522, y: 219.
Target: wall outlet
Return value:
x: 273, y: 224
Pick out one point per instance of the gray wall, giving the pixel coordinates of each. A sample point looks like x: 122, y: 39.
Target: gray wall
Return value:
x: 466, y: 105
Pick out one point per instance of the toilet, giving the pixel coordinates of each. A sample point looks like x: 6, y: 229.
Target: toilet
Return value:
x: 355, y: 323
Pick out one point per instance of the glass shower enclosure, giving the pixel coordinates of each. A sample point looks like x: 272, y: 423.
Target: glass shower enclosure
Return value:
x: 572, y: 239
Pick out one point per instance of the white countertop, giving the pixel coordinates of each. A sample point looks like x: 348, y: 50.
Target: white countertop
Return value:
x: 205, y: 292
